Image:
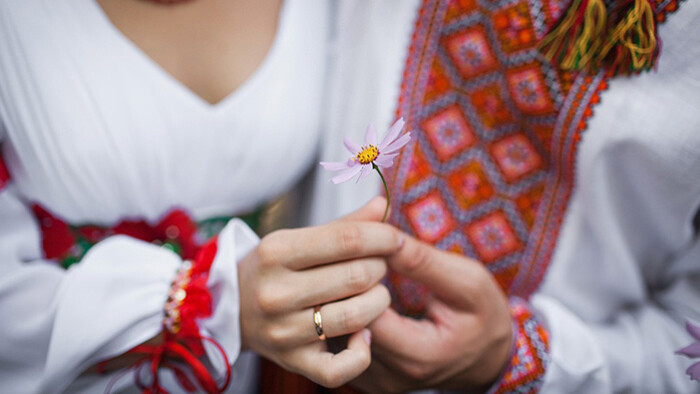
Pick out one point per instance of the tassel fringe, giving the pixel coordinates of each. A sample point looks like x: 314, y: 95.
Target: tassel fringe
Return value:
x: 589, y: 38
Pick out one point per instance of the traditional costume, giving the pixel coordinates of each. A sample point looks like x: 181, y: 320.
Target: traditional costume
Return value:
x: 585, y: 213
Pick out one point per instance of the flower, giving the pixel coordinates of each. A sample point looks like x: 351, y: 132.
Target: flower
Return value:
x: 692, y: 351
x: 371, y: 155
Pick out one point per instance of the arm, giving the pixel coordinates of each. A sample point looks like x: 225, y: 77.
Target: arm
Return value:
x: 632, y: 349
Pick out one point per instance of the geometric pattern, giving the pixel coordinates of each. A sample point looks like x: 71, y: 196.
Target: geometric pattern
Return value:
x: 496, y: 127
x: 490, y: 170
x: 529, y: 355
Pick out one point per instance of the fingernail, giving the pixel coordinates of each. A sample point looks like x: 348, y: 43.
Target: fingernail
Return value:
x: 367, y: 335
x: 402, y: 241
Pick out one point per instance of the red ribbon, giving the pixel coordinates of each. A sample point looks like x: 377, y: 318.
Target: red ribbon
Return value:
x: 167, y: 355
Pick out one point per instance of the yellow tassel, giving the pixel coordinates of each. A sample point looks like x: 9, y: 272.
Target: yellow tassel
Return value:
x: 633, y: 40
x: 575, y: 42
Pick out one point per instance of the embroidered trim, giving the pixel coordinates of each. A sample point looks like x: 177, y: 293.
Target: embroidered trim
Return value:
x: 176, y: 297
x: 68, y: 244
x: 492, y: 168
x: 529, y: 356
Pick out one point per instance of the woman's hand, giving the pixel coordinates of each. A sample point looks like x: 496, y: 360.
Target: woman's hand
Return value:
x: 465, y: 339
x: 338, y: 266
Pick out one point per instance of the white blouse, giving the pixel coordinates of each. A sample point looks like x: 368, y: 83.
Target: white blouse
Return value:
x: 96, y: 132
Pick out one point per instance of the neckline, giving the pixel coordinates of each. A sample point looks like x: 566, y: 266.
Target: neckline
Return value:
x: 152, y: 67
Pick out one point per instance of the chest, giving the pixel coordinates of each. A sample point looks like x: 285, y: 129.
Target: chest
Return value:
x: 210, y: 47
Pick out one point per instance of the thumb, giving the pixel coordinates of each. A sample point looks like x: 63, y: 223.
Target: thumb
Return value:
x: 370, y: 212
x: 451, y: 277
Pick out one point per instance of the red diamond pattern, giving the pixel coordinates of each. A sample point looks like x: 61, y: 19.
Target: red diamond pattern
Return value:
x: 430, y: 218
x: 493, y: 237
x: 449, y: 132
x: 516, y: 156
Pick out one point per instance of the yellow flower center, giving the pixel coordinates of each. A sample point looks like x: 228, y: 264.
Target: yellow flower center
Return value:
x: 367, y: 154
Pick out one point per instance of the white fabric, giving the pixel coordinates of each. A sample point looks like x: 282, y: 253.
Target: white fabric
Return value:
x: 96, y: 132
x: 626, y: 272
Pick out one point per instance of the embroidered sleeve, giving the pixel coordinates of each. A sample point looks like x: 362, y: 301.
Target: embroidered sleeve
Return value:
x: 529, y: 355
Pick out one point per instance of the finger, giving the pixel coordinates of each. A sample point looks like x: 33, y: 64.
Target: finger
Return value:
x: 308, y: 247
x: 334, y: 370
x: 451, y: 277
x: 331, y: 282
x: 373, y: 211
x: 402, y: 337
x: 339, y: 318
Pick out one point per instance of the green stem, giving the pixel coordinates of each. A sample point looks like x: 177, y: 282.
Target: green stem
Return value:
x: 386, y: 191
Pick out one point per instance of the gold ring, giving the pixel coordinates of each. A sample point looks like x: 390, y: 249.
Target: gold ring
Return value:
x: 318, y: 321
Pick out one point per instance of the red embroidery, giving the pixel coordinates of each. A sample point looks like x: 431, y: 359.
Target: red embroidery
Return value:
x: 496, y: 132
x: 68, y: 244
x: 529, y: 356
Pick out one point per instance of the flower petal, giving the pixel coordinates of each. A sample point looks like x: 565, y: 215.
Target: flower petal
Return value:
x: 694, y: 371
x: 334, y: 165
x: 398, y: 144
x: 371, y: 135
x: 366, y: 169
x: 351, y: 146
x: 393, y: 132
x: 346, y: 175
x: 385, y: 161
x: 692, y: 350
x: 693, y: 330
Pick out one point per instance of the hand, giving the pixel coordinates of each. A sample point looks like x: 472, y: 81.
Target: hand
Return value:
x: 463, y: 343
x: 338, y: 266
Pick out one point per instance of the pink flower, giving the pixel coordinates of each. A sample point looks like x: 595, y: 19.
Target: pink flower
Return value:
x: 371, y: 155
x: 692, y: 351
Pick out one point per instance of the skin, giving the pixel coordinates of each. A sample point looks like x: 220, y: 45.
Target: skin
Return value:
x: 464, y: 341
x: 337, y: 265
x: 210, y: 46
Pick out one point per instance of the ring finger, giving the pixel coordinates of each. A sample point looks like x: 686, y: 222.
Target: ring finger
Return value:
x: 338, y: 318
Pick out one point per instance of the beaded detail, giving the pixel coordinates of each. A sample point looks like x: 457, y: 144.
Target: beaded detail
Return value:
x: 176, y: 296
